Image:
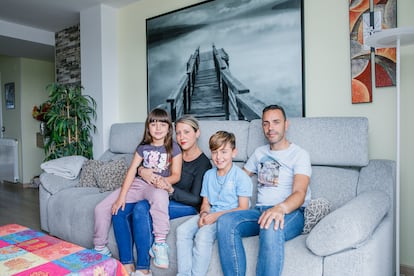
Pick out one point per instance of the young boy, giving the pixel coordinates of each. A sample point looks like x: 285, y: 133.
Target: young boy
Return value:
x: 226, y: 188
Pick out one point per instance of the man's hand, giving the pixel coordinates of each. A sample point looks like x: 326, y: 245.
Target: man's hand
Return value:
x: 277, y: 214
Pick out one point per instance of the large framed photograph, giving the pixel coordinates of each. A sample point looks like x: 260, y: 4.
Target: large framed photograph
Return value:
x: 9, y: 95
x: 227, y: 59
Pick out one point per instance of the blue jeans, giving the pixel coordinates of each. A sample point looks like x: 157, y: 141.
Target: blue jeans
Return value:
x: 135, y: 224
x: 233, y: 226
x: 194, y: 247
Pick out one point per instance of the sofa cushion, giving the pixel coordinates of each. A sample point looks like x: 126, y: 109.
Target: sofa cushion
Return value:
x: 338, y: 185
x: 316, y: 210
x: 110, y: 175
x: 71, y: 214
x: 87, y: 178
x: 105, y: 175
x: 350, y: 225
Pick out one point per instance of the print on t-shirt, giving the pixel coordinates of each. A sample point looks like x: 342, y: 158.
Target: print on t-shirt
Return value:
x: 155, y: 160
x: 268, y: 172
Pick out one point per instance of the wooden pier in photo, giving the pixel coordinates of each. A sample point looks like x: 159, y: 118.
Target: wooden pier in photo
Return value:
x: 209, y: 91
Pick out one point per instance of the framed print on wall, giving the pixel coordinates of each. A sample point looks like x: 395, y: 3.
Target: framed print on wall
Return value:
x: 227, y: 59
x: 367, y: 16
x: 9, y: 95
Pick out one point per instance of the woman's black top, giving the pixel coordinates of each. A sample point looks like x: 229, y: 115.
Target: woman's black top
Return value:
x: 187, y: 190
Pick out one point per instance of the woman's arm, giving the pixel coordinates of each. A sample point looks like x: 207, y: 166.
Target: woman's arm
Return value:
x: 197, y: 169
x: 176, y: 167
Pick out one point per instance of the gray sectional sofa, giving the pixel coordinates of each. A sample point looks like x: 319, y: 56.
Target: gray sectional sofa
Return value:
x: 355, y: 238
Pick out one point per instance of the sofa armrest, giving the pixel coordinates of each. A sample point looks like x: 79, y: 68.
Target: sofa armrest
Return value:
x: 350, y: 225
x: 53, y: 183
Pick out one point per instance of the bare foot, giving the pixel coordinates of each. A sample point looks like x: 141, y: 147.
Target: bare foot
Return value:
x: 129, y: 268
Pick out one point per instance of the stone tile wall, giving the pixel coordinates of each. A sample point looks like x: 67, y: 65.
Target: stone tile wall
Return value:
x: 67, y: 58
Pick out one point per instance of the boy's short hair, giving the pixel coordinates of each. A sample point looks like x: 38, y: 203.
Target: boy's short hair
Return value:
x: 221, y: 138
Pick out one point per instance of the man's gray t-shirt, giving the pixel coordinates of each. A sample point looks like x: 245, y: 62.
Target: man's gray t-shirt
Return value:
x: 275, y: 171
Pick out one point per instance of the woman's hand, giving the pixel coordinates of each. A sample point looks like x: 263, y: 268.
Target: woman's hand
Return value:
x: 146, y: 174
x: 162, y: 183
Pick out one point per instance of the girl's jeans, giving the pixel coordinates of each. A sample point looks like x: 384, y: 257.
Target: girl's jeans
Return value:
x: 135, y: 224
x: 233, y: 226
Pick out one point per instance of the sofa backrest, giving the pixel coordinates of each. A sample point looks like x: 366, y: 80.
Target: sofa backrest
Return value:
x: 124, y: 137
x: 240, y: 130
x: 330, y: 141
x: 338, y: 147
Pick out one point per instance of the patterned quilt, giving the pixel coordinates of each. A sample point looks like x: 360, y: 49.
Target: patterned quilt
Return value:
x: 24, y: 251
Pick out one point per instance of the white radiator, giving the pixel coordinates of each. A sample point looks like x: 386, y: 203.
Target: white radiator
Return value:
x: 9, y: 160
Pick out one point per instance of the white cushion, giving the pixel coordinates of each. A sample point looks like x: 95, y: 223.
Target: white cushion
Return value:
x: 350, y: 225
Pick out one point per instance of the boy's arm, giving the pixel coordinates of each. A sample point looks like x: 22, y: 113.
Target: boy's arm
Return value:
x: 205, y: 207
x: 212, y: 218
x: 204, y: 211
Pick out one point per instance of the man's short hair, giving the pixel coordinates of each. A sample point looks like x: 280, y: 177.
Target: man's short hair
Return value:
x: 221, y: 138
x: 275, y: 107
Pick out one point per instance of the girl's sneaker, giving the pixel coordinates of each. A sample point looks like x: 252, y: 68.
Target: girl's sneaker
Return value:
x: 159, y: 251
x: 104, y: 251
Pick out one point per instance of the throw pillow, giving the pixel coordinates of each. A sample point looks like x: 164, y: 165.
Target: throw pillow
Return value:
x: 87, y: 178
x: 350, y: 225
x: 110, y: 175
x: 316, y: 210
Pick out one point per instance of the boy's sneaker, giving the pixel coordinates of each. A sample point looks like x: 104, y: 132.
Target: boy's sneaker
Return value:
x: 104, y: 251
x: 159, y: 251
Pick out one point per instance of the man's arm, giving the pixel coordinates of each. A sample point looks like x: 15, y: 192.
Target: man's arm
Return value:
x: 293, y: 202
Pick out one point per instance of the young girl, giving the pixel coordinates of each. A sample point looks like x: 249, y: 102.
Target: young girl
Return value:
x: 158, y: 152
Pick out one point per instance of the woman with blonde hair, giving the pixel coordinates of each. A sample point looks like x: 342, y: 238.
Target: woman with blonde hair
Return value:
x: 134, y: 223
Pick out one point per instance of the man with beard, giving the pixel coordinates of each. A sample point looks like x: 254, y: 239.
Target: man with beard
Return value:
x: 283, y: 171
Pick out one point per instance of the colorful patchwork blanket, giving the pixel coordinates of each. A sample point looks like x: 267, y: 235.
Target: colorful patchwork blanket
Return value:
x: 24, y: 251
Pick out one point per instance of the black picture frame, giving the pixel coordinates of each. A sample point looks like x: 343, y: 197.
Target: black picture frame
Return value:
x: 258, y: 43
x: 9, y: 95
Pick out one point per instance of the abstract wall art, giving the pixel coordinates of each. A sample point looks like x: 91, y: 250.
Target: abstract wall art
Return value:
x: 367, y: 16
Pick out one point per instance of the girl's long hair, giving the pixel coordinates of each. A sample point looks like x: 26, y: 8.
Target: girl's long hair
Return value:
x: 159, y: 115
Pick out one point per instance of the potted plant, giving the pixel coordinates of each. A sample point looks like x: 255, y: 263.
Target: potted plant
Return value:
x: 70, y: 122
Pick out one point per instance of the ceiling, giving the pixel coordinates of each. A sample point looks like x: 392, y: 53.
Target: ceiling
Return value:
x: 48, y: 15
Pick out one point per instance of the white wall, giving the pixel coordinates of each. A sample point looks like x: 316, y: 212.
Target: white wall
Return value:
x: 35, y: 76
x: 99, y: 68
x: 327, y: 83
x: 31, y: 78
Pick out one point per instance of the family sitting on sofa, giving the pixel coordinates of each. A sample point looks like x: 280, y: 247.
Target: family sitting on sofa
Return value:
x: 167, y: 180
x: 348, y: 223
